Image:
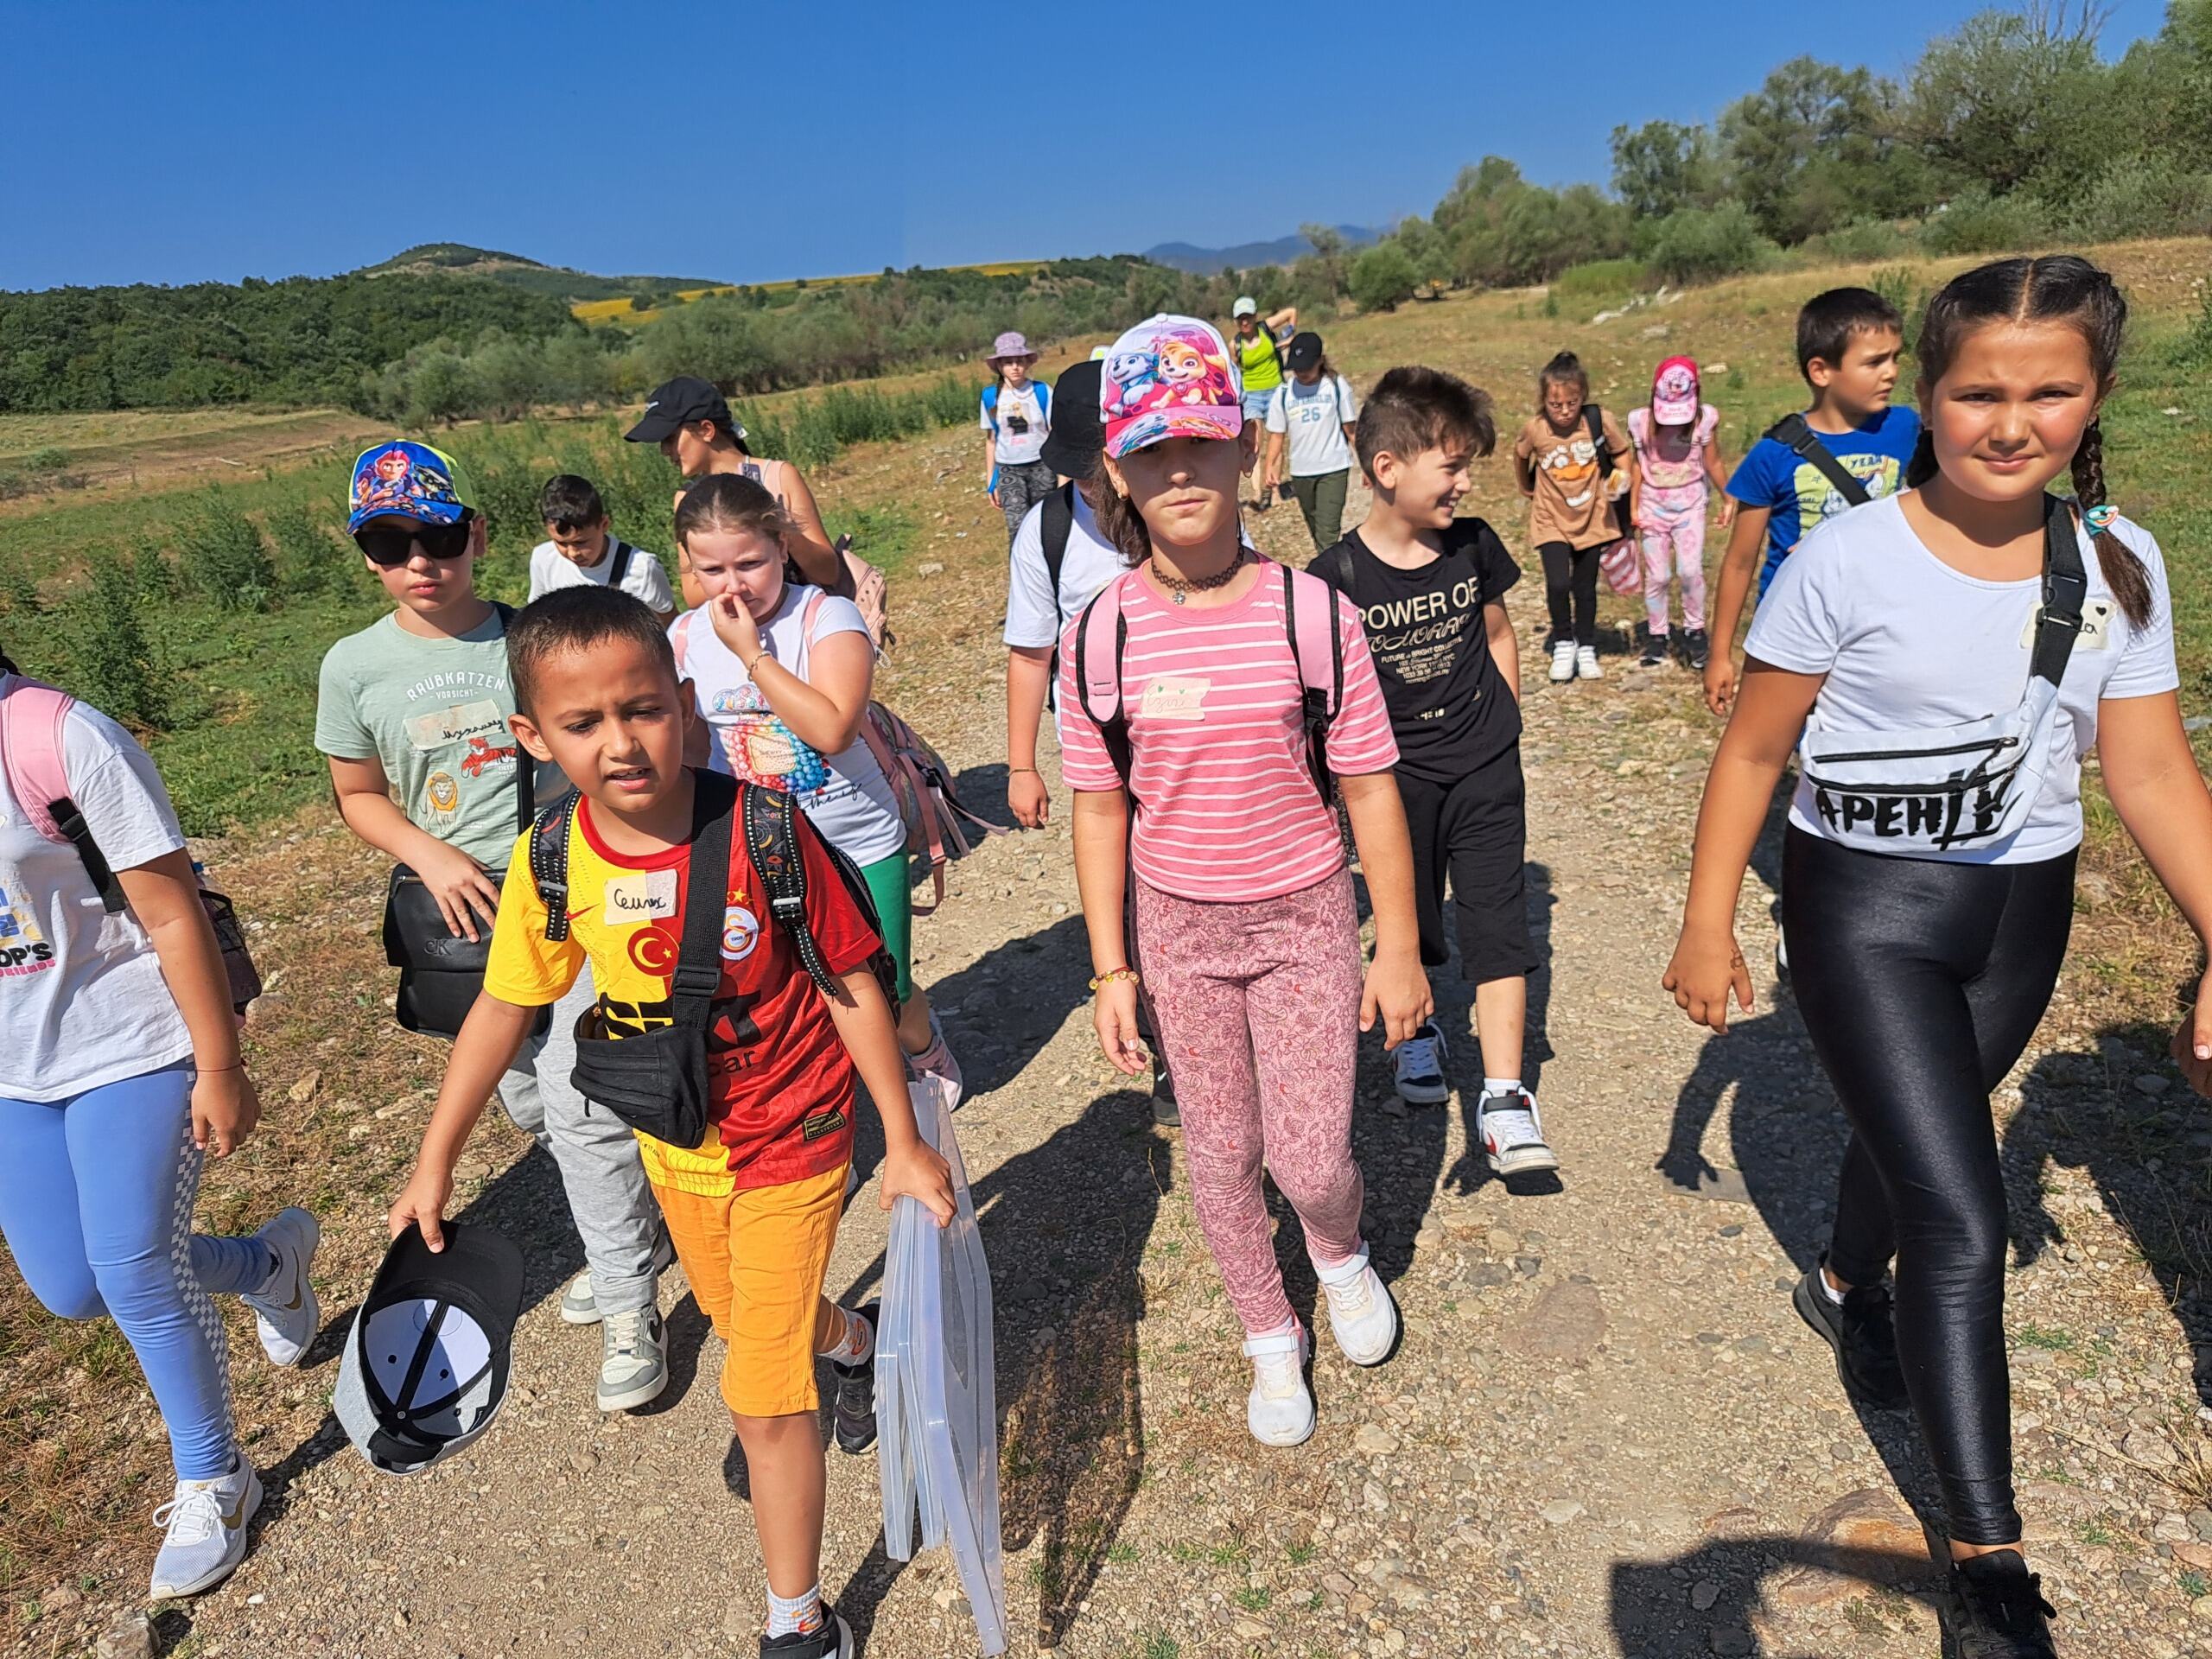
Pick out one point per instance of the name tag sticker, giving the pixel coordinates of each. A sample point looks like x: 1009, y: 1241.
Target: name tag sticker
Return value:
x: 640, y: 896
x: 464, y: 720
x: 2096, y: 626
x: 1174, y: 699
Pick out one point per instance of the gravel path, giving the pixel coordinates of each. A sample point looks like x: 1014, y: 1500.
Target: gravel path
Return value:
x: 1607, y: 1433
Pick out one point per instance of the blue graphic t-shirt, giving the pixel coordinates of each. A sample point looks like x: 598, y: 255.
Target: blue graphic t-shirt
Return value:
x: 1798, y: 494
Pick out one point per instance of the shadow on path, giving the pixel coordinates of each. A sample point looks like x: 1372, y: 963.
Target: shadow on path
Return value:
x: 1656, y: 1616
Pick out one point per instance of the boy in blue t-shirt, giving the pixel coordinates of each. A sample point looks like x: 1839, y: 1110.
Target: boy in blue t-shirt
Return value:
x: 1849, y: 340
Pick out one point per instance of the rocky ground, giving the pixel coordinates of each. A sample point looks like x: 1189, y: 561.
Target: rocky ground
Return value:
x: 1606, y: 1432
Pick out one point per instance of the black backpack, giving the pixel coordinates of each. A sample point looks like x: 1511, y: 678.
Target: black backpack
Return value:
x: 1594, y: 418
x: 1793, y: 431
x: 1056, y: 525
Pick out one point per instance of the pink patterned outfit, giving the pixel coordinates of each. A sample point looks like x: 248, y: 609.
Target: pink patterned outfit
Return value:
x: 1672, y: 460
x: 1245, y: 925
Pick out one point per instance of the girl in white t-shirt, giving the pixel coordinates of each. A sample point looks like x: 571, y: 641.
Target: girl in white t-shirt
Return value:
x: 783, y: 673
x: 1921, y: 973
x: 120, y: 1072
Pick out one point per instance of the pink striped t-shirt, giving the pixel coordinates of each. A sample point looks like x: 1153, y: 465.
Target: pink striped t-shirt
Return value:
x: 1230, y: 812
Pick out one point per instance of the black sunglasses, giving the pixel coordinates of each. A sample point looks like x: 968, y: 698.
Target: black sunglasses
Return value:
x: 390, y: 548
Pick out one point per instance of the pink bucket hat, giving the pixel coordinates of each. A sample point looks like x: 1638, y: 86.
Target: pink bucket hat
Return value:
x: 1009, y: 344
x: 1169, y: 377
x: 1674, y: 392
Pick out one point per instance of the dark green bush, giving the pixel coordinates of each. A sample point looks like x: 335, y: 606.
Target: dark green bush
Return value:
x: 1976, y: 222
x: 1704, y: 245
x: 108, y: 659
x: 224, y: 559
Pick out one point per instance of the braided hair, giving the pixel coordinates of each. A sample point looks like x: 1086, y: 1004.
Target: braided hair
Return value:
x: 2057, y: 288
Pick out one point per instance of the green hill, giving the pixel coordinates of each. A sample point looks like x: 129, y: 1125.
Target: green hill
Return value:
x: 459, y: 259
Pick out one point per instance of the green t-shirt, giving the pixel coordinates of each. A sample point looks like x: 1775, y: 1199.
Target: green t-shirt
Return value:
x: 435, y: 711
x: 1257, y: 357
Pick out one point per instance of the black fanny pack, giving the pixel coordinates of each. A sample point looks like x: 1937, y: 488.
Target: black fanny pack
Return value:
x: 655, y: 1080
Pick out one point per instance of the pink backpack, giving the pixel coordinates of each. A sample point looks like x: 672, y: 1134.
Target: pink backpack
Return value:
x: 33, y: 717
x: 938, y: 827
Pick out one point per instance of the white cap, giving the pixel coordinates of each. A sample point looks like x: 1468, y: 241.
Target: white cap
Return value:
x: 1246, y: 307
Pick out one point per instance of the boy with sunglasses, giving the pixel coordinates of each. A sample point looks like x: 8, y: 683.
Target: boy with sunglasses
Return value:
x: 412, y: 715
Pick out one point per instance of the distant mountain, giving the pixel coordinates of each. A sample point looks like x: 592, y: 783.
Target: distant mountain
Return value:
x: 459, y: 259
x: 1185, y: 256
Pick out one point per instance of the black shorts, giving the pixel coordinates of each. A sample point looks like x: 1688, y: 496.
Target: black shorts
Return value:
x: 1475, y: 831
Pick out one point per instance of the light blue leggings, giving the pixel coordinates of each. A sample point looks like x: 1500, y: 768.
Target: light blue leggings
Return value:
x: 96, y: 1195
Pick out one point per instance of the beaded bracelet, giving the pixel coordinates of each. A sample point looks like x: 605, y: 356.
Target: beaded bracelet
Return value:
x: 1114, y: 974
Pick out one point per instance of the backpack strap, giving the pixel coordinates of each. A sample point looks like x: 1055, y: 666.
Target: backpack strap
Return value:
x: 699, y: 958
x: 32, y: 720
x: 1794, y: 431
x: 623, y: 551
x: 1333, y: 566
x: 1322, y: 692
x: 1102, y: 640
x: 991, y: 404
x: 2065, y: 590
x: 549, y: 862
x: 526, y: 763
x: 680, y: 637
x: 772, y: 842
x: 1055, y: 528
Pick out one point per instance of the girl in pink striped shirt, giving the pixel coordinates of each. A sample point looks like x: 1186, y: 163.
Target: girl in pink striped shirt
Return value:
x: 1195, y: 707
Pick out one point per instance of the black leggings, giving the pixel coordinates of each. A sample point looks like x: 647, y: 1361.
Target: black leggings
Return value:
x: 1570, y: 575
x: 1921, y: 982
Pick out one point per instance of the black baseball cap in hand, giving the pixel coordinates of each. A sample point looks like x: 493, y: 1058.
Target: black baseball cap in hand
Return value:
x: 1077, y: 438
x: 1305, y: 350
x: 678, y: 403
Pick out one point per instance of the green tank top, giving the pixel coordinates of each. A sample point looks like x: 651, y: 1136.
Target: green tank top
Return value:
x: 1262, y: 368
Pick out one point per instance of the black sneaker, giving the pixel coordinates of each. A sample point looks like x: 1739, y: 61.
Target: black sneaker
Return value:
x: 833, y: 1640
x: 1695, y: 649
x: 1858, y: 1330
x: 1654, y: 652
x: 854, y: 1411
x: 1165, y: 1110
x: 1998, y: 1610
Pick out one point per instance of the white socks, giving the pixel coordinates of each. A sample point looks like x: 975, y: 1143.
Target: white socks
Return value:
x: 857, y: 1343
x: 1501, y: 1085
x: 795, y: 1615
x: 1827, y: 1290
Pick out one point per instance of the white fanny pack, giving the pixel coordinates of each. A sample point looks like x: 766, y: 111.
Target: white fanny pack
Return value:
x: 1948, y: 789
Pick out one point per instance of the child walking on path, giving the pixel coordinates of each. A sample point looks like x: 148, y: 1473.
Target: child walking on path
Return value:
x: 1573, y: 465
x: 1678, y: 460
x: 1310, y: 415
x: 1928, y: 908
x: 753, y: 1203
x: 782, y: 673
x: 1430, y: 591
x: 120, y: 1073
x: 1017, y: 419
x: 417, y: 704
x: 1244, y: 909
x: 580, y: 548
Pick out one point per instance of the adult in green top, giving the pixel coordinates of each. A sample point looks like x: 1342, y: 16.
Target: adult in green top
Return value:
x: 1258, y: 344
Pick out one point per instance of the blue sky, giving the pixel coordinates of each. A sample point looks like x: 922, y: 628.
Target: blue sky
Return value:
x: 174, y: 143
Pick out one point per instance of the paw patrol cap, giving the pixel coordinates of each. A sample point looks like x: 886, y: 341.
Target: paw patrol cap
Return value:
x: 1169, y: 377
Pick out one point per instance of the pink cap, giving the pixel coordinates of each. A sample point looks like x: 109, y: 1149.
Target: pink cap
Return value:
x: 1169, y: 377
x: 1674, y: 392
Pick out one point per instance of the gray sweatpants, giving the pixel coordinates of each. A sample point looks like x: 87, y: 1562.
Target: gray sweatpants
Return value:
x: 597, y: 1155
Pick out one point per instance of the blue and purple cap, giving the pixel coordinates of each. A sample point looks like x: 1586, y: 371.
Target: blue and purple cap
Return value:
x: 1169, y: 377
x: 408, y: 479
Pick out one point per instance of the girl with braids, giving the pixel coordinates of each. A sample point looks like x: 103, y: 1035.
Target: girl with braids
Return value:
x: 1924, y: 948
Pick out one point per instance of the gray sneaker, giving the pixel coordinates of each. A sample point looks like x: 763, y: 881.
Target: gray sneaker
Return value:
x: 580, y: 1303
x: 206, y: 1524
x: 285, y: 1311
x: 635, y: 1367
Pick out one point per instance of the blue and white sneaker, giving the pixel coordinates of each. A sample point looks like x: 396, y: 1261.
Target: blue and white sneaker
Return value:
x: 1420, y: 1061
x: 285, y: 1312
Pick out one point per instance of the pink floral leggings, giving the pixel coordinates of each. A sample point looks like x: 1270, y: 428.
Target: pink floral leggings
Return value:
x: 1258, y: 1010
x: 1675, y: 546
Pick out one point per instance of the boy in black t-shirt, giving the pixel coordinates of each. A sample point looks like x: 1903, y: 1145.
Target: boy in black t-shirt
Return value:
x: 1430, y: 589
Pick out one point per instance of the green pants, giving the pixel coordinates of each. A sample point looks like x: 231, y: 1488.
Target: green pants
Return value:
x: 1321, y: 498
x: 894, y: 913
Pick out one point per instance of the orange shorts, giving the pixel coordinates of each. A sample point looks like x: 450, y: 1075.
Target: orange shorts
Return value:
x: 756, y: 1260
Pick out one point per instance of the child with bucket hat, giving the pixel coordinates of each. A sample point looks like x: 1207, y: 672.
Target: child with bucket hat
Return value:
x: 1017, y: 417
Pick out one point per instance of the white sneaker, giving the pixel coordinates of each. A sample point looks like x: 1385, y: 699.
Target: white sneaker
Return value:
x: 1513, y: 1134
x: 633, y: 1367
x: 1419, y: 1060
x: 206, y: 1522
x: 285, y: 1311
x: 1361, y: 1315
x: 1562, y: 662
x: 1586, y: 663
x: 1280, y: 1409
x: 580, y: 1302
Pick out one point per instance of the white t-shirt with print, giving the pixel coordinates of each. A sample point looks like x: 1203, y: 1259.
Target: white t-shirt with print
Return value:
x: 82, y: 999
x: 1907, y: 642
x: 845, y: 795
x: 1314, y: 417
x: 645, y: 579
x: 1035, y: 615
x: 1017, y: 449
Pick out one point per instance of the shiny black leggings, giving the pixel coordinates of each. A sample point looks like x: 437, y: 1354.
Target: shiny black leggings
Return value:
x: 1921, y: 983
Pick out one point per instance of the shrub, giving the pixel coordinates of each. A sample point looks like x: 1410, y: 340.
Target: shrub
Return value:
x: 2194, y: 349
x: 1861, y: 240
x: 2138, y: 197
x: 1600, y: 280
x: 49, y: 460
x: 1704, y: 245
x: 223, y: 556
x: 307, y: 554
x: 1383, y: 276
x: 1977, y: 222
x: 108, y: 660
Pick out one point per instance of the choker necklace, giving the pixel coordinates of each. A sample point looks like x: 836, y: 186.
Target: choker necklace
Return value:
x: 1180, y: 588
